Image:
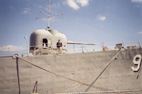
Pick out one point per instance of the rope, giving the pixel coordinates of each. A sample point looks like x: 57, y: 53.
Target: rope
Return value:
x: 78, y: 84
x: 17, y: 67
x: 35, y: 87
x: 85, y: 80
x: 101, y: 72
x: 56, y: 74
x: 67, y: 77
x: 67, y: 89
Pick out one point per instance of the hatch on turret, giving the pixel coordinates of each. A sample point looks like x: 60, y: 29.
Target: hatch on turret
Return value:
x: 43, y: 42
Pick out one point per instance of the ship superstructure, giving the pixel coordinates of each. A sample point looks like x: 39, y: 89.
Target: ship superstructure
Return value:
x: 43, y: 42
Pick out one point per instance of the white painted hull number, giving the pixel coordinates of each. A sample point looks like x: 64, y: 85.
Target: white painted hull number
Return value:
x: 137, y: 62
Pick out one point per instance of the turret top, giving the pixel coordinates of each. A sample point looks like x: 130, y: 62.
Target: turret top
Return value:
x: 46, y: 39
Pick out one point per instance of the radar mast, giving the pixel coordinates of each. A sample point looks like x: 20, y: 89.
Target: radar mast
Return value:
x: 48, y: 26
x: 49, y: 16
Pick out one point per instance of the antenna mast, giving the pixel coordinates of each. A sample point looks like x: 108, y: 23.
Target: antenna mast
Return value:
x: 49, y: 14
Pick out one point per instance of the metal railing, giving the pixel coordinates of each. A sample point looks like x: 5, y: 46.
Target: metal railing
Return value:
x: 109, y: 46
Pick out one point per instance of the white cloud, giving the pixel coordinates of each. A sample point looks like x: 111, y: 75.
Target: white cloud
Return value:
x: 102, y: 18
x: 83, y: 2
x: 26, y: 10
x: 75, y: 4
x: 11, y: 48
x: 139, y: 32
x: 138, y: 1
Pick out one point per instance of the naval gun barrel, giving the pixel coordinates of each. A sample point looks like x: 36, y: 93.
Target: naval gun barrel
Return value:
x: 79, y: 43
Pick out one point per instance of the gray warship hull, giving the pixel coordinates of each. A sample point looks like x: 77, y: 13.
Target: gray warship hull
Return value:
x: 72, y: 73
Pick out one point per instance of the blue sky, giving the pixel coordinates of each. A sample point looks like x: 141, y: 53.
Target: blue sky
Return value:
x: 93, y: 21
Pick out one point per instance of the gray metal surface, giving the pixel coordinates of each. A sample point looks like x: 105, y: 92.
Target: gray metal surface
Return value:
x: 82, y: 67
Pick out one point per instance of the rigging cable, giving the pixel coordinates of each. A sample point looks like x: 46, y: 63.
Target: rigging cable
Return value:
x: 101, y: 72
x: 54, y: 73
x: 17, y: 67
x: 87, y: 79
x: 67, y: 77
x: 35, y: 87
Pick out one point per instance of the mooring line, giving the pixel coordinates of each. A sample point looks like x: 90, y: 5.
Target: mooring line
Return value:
x: 89, y: 86
x: 101, y: 71
x: 55, y: 73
